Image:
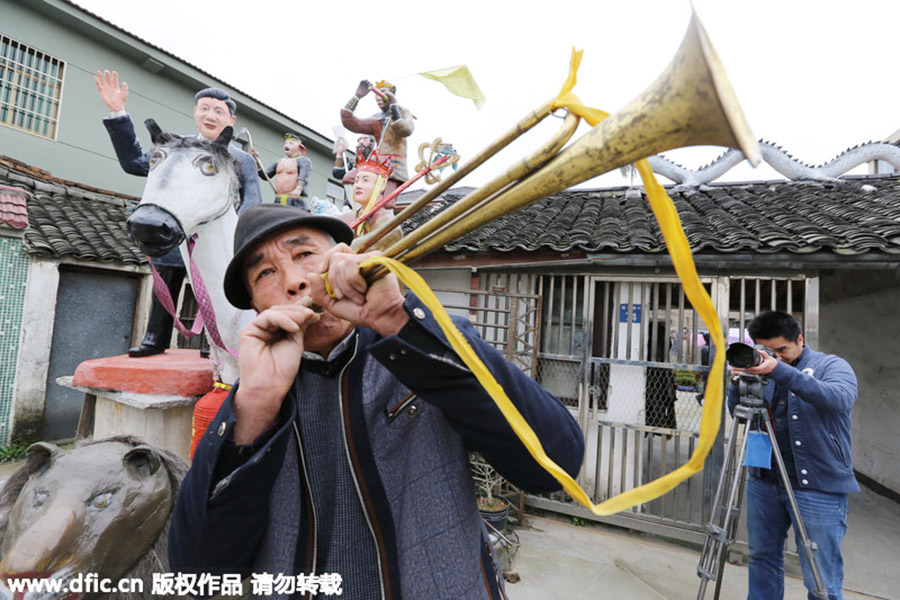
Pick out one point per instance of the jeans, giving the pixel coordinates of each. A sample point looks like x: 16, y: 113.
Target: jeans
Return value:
x: 768, y: 517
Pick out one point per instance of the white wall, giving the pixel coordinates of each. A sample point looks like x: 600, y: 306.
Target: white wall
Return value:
x: 451, y: 279
x: 859, y: 322
x: 38, y: 317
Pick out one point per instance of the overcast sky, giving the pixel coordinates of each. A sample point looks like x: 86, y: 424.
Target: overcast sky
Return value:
x: 813, y: 76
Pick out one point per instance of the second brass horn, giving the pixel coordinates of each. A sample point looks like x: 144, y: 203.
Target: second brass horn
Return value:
x: 691, y: 103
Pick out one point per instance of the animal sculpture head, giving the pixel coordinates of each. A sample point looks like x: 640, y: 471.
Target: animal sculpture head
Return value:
x: 191, y: 182
x: 101, y: 508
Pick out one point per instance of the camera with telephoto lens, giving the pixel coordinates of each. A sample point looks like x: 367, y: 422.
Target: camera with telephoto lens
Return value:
x: 742, y: 356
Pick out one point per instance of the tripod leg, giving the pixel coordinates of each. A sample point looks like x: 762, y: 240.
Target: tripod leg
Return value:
x: 719, y: 537
x: 808, y: 547
x: 732, y: 532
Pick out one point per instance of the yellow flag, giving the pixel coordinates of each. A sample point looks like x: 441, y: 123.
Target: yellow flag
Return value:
x: 458, y: 80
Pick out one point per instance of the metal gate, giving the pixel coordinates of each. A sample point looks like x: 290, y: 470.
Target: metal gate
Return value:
x: 630, y: 356
x: 507, y: 321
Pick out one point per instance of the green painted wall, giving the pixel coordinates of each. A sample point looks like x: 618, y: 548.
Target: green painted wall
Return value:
x: 13, y: 275
x: 82, y: 151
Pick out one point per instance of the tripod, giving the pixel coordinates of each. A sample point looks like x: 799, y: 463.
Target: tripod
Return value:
x: 720, y: 530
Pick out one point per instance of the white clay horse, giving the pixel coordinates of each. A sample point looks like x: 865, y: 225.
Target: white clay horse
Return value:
x: 192, y: 188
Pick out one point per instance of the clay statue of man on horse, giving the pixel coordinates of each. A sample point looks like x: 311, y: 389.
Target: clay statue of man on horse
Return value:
x: 214, y: 110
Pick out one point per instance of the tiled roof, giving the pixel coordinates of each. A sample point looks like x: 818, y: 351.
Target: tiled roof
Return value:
x: 70, y: 219
x: 13, y: 212
x: 858, y: 215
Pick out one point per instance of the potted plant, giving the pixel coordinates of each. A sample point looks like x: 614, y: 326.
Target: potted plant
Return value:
x: 493, y: 507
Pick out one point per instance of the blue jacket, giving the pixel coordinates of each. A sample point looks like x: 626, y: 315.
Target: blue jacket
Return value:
x: 821, y: 392
x: 408, y: 453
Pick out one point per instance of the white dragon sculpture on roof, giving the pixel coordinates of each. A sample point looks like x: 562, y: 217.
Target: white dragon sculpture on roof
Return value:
x: 781, y: 161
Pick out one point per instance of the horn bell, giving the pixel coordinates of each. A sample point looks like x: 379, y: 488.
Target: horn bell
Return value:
x: 691, y: 103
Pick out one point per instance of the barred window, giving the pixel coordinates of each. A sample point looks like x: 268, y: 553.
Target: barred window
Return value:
x: 334, y: 192
x: 30, y: 88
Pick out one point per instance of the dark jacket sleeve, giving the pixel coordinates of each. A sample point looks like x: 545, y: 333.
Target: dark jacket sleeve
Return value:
x: 128, y: 149
x: 442, y: 380
x: 304, y: 166
x: 270, y: 171
x: 250, y: 194
x: 219, y: 517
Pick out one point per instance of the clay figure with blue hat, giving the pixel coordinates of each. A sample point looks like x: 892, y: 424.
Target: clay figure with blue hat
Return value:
x: 289, y: 175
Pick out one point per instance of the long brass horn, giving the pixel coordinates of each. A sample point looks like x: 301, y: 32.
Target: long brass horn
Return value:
x: 691, y: 103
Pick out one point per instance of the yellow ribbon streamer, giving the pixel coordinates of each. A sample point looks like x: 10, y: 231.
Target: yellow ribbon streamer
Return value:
x: 680, y: 251
x: 567, y: 99
x: 682, y: 259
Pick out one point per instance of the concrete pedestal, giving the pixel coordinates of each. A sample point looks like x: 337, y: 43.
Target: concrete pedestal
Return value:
x: 151, y: 398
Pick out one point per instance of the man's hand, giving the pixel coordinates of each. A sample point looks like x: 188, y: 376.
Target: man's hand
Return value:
x: 378, y: 307
x: 767, y: 365
x: 113, y: 95
x: 270, y: 347
x: 363, y: 88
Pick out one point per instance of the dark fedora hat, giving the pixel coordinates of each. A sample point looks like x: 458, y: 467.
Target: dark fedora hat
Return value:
x: 258, y: 223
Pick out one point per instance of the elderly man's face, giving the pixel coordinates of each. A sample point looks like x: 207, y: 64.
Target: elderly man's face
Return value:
x: 277, y: 272
x: 212, y: 116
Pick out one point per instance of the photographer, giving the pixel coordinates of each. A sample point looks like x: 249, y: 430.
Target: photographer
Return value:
x: 810, y: 397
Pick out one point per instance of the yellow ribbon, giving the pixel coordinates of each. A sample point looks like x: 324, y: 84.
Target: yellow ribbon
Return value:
x: 682, y: 259
x: 567, y: 99
x: 680, y: 251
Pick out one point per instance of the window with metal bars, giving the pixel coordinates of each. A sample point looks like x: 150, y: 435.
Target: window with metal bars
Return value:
x: 30, y: 88
x: 335, y: 193
x: 563, y: 318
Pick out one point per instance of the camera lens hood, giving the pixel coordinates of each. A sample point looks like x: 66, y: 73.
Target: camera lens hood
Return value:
x: 742, y: 356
